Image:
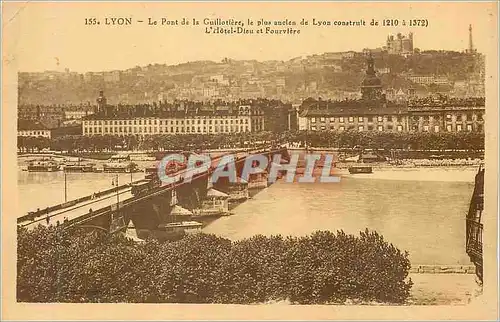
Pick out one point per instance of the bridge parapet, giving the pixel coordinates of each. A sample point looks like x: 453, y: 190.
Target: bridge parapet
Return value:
x: 31, y: 216
x: 104, y: 204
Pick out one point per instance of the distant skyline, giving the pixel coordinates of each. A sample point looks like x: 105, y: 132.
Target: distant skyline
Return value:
x: 45, y: 36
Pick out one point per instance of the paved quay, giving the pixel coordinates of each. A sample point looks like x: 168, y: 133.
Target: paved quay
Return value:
x: 443, y: 289
x: 442, y: 269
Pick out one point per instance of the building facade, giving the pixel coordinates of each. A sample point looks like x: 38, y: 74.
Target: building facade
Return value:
x: 189, y: 118
x: 399, y: 44
x: 374, y: 113
x: 29, y: 128
x: 427, y: 80
x: 397, y: 119
x: 215, y: 124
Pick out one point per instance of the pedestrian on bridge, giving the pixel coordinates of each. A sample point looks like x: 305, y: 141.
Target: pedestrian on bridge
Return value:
x: 47, y: 219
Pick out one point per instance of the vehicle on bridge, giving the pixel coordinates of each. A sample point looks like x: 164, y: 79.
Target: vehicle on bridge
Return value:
x: 152, y: 182
x: 151, y: 169
x: 143, y: 187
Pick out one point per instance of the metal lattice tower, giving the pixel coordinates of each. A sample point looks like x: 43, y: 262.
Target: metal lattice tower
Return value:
x: 471, y: 46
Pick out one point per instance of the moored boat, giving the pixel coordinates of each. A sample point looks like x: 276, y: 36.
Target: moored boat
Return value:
x: 182, y: 226
x: 120, y: 164
x: 360, y: 169
x: 43, y: 166
x: 79, y: 167
x: 142, y: 157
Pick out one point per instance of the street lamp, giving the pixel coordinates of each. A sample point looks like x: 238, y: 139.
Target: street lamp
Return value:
x: 115, y: 182
x: 117, y: 196
x: 65, y: 187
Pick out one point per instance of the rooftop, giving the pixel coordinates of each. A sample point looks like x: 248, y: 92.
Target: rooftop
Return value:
x: 29, y: 125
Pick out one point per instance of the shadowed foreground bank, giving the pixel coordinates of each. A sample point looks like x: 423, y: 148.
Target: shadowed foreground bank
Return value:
x: 324, y: 267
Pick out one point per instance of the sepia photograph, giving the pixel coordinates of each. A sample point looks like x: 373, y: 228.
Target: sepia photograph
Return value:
x: 252, y: 157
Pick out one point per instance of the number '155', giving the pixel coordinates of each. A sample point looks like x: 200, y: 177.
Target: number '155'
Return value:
x: 90, y: 21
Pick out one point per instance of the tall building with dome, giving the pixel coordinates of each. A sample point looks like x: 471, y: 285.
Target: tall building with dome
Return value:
x: 371, y: 88
x: 101, y: 103
x: 373, y: 112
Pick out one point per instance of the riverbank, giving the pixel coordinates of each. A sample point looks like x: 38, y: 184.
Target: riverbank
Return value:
x: 410, y: 164
x: 443, y: 289
x: 400, y: 164
x: 429, y: 290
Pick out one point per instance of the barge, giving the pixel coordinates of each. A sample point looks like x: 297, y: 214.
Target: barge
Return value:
x: 43, y: 166
x: 356, y: 169
x: 120, y: 164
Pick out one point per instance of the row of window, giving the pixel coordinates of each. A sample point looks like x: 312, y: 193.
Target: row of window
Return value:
x: 399, y: 128
x: 172, y: 122
x: 464, y: 117
x: 361, y: 128
x: 460, y: 117
x: 449, y: 128
x: 341, y: 119
x: 34, y: 133
x: 152, y: 130
x: 360, y: 119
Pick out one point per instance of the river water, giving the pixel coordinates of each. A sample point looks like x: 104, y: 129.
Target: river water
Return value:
x: 419, y: 210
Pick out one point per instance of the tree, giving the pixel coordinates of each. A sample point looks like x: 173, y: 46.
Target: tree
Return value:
x: 75, y: 265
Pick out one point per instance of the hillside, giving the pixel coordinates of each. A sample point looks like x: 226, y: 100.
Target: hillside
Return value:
x: 202, y: 80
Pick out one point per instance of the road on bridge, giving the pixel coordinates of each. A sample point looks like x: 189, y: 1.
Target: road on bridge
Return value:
x: 81, y: 208
x: 71, y: 211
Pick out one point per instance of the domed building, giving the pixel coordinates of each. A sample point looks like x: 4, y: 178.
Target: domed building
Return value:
x: 371, y: 88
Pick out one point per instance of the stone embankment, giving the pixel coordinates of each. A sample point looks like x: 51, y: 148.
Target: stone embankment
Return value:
x: 443, y: 269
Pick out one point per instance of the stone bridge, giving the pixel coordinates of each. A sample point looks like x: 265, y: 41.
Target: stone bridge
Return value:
x: 149, y: 206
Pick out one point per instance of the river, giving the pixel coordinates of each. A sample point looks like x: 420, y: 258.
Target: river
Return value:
x: 419, y: 210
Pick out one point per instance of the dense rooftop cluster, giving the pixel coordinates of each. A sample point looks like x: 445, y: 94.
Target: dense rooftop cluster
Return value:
x: 441, y: 101
x: 445, y: 101
x: 181, y: 108
x: 347, y: 103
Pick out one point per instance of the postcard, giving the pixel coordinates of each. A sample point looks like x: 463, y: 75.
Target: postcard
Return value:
x: 249, y: 160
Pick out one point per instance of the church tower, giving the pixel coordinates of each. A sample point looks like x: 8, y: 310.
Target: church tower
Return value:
x: 101, y: 103
x: 371, y: 88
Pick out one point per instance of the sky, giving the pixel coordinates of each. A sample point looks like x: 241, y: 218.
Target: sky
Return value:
x: 53, y: 36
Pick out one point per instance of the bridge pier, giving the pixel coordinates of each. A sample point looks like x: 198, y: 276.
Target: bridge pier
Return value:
x: 258, y: 180
x: 215, y: 204
x: 190, y: 195
x: 102, y: 222
x: 237, y: 191
x: 149, y: 215
x: 148, y: 207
